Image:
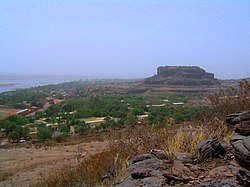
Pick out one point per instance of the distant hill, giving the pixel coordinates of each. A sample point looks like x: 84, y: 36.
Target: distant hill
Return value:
x: 182, y: 76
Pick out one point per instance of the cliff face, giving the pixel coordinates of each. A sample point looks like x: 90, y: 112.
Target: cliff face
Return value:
x: 182, y: 75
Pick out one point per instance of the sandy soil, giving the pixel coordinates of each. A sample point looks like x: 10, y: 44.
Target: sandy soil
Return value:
x: 25, y: 166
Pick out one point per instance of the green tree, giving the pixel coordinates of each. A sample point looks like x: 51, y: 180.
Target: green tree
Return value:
x: 18, y: 132
x: 82, y: 129
x: 44, y: 133
x: 61, y: 137
x: 64, y: 128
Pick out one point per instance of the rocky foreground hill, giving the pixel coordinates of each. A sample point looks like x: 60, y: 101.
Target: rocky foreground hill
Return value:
x: 217, y: 164
x: 182, y: 75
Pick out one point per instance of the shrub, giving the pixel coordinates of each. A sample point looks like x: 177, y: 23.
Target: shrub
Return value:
x: 110, y: 164
x: 231, y: 100
x: 61, y: 137
x: 44, y: 133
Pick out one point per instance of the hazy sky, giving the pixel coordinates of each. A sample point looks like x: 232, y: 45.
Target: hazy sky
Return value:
x: 124, y: 38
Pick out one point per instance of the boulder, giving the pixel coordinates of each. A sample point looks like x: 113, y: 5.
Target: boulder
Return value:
x: 146, y: 182
x: 240, y: 148
x: 173, y: 180
x: 243, y: 128
x: 221, y: 172
x: 145, y: 166
x: 180, y: 170
x: 236, y: 118
x: 243, y: 178
x: 210, y: 148
x: 140, y: 158
x: 184, y: 157
x: 218, y: 184
x: 145, y: 170
x: 160, y: 154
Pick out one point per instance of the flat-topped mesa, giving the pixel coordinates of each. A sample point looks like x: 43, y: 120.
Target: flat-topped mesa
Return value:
x: 182, y: 75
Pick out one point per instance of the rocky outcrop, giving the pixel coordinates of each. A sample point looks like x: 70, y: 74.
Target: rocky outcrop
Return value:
x: 184, y: 157
x: 182, y: 75
x: 150, y: 171
x: 241, y: 149
x: 160, y: 154
x: 241, y: 143
x: 241, y: 122
x: 210, y: 149
x: 146, y: 170
x: 237, y: 118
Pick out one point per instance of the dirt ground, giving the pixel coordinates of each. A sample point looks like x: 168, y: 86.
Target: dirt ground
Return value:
x: 8, y: 112
x: 25, y: 166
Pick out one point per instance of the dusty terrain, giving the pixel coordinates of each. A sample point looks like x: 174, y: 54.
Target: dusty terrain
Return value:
x: 7, y: 112
x: 25, y: 166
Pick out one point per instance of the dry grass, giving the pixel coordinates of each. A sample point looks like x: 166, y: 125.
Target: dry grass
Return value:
x: 109, y: 166
x: 184, y: 141
x: 231, y: 100
x: 5, y: 176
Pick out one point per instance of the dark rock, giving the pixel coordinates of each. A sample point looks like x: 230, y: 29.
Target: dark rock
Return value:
x: 180, y: 170
x: 210, y: 149
x: 160, y: 154
x: 192, y: 167
x: 130, y: 183
x: 145, y: 170
x: 140, y: 174
x: 243, y: 128
x: 240, y: 148
x: 150, y: 167
x: 184, y: 157
x: 173, y: 180
x: 154, y: 182
x: 243, y: 178
x: 236, y: 138
x: 221, y: 172
x: 218, y: 184
x: 236, y: 118
x: 140, y: 158
x: 246, y: 142
x: 146, y: 182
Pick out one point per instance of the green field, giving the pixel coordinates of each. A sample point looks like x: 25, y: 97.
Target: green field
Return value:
x: 2, y: 113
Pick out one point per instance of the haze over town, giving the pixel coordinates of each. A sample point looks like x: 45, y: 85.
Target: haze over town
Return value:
x: 124, y: 39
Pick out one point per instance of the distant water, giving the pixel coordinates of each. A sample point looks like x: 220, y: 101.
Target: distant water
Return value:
x: 10, y: 83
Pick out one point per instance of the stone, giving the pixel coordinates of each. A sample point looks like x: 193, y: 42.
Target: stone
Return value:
x: 154, y: 181
x: 243, y: 128
x: 149, y: 164
x: 236, y: 118
x: 246, y: 142
x: 210, y: 148
x: 145, y: 170
x: 180, y: 170
x: 240, y: 148
x: 129, y: 183
x: 218, y: 184
x: 184, y: 157
x: 243, y: 178
x: 160, y: 154
x: 237, y: 137
x: 146, y: 182
x: 173, y: 180
x: 140, y: 158
x: 221, y: 172
x: 140, y: 174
